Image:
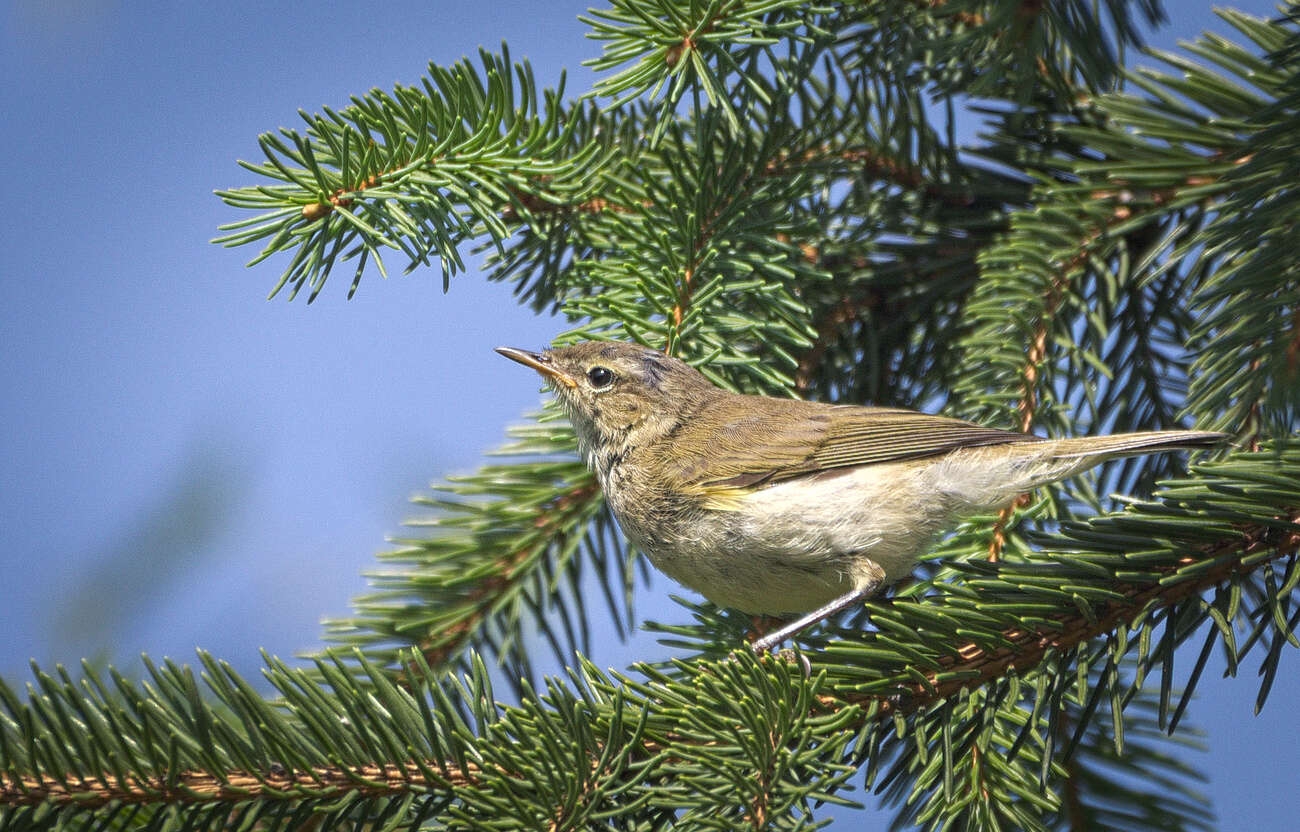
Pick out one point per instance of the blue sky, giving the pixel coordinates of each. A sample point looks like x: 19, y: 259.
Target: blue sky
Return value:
x: 230, y: 465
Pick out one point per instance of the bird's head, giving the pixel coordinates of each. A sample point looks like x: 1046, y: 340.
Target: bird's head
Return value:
x: 611, y: 389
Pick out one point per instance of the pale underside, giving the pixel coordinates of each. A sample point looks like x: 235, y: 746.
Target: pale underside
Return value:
x: 806, y: 501
x: 797, y: 544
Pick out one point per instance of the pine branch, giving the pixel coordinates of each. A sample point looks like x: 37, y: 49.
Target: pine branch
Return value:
x: 975, y: 664
x: 337, y: 740
x: 673, y: 47
x: 1027, y: 406
x: 420, y: 171
x: 701, y: 269
x: 1248, y: 331
x: 870, y: 163
x: 1154, y: 789
x: 1109, y: 207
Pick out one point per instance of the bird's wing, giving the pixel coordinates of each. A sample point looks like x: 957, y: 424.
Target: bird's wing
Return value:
x: 780, y: 440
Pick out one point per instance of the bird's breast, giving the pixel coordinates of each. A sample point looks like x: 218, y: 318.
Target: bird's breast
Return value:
x: 783, y: 548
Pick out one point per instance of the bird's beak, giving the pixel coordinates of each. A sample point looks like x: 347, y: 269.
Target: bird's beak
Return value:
x: 540, y: 362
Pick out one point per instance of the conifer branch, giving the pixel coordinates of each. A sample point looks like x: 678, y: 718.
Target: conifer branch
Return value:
x: 974, y: 665
x: 828, y: 327
x: 960, y: 16
x: 1027, y: 406
x: 196, y: 787
x: 1119, y: 204
x: 873, y: 164
x: 536, y: 205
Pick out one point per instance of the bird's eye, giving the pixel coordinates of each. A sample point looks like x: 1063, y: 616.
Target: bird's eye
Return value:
x: 600, y: 377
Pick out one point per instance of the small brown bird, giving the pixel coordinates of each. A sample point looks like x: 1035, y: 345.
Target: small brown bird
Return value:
x: 781, y: 506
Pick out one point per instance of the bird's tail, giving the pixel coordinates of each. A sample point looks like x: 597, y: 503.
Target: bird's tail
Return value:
x: 1101, y: 448
x: 984, y: 478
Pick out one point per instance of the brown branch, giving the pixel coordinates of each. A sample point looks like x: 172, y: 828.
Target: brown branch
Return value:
x: 999, y: 535
x: 1027, y: 407
x: 1293, y: 346
x: 1075, y: 811
x: 536, y: 205
x: 201, y: 787
x: 870, y: 160
x: 874, y: 163
x: 679, y: 307
x: 963, y: 17
x: 316, y: 210
x: 678, y: 313
x: 828, y: 329
x: 758, y: 814
x: 845, y: 161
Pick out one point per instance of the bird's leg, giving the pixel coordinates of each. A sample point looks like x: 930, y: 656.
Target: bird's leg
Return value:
x: 775, y: 637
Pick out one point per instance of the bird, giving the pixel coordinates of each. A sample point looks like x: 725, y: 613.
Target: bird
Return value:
x: 785, y: 507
